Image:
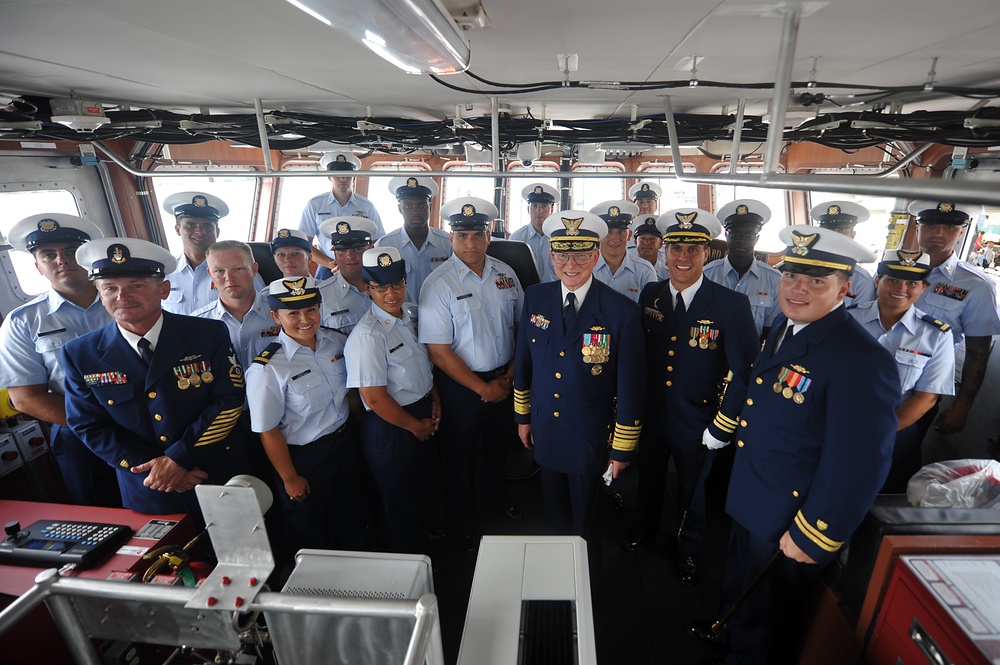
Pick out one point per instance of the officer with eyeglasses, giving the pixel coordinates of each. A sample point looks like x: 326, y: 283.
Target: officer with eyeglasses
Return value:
x: 579, y: 347
x: 197, y: 216
x: 422, y: 247
x: 392, y: 371
x: 345, y: 294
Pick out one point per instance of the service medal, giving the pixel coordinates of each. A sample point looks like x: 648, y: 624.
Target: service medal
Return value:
x: 713, y: 346
x: 692, y: 342
x: 195, y: 380
x: 586, y: 351
x: 787, y: 392
x: 777, y: 386
x: 703, y: 343
x: 207, y: 377
x: 596, y: 370
x: 183, y: 383
x: 799, y: 398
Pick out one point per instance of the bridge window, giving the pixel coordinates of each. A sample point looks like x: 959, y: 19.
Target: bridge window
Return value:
x: 517, y: 208
x: 384, y: 200
x: 16, y: 206
x: 239, y: 193
x: 775, y: 199
x: 676, y: 193
x: 588, y: 192
x: 294, y: 194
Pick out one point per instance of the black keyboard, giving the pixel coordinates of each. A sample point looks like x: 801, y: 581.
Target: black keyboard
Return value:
x: 56, y: 543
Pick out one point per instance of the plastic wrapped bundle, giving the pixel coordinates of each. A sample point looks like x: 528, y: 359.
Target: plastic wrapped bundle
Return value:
x: 966, y: 483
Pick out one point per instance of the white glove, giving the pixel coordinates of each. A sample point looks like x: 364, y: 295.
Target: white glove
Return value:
x: 711, y: 442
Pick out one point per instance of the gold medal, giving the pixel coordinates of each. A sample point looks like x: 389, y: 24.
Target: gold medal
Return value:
x: 207, y: 377
x: 586, y: 350
x: 713, y: 346
x: 799, y: 398
x: 777, y: 387
x: 596, y: 369
x: 703, y: 343
x: 183, y: 383
x: 692, y: 342
x: 195, y: 380
x: 787, y: 392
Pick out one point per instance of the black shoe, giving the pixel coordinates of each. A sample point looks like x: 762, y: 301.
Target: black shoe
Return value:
x: 702, y: 633
x: 633, y: 539
x: 513, y: 513
x: 616, y: 500
x: 687, y: 571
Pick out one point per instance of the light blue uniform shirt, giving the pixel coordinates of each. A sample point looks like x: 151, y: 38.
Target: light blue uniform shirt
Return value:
x: 862, y: 286
x: 475, y: 315
x: 924, y: 353
x: 191, y: 288
x: 250, y: 337
x: 963, y: 296
x: 540, y: 247
x: 325, y: 206
x: 343, y: 305
x: 32, y: 336
x: 383, y: 351
x: 662, y: 272
x: 301, y: 392
x: 633, y: 274
x: 759, y: 284
x: 419, y: 263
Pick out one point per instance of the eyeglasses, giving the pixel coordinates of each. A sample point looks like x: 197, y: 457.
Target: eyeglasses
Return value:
x: 579, y: 258
x: 382, y: 288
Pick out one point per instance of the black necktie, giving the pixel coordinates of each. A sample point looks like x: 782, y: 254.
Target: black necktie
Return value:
x: 679, y: 308
x: 145, y: 351
x: 787, y: 337
x: 569, y: 311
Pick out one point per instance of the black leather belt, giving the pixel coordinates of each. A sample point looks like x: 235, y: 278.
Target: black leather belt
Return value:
x: 493, y: 373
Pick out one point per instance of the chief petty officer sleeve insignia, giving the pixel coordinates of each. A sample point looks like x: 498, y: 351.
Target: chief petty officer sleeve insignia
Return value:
x: 936, y: 323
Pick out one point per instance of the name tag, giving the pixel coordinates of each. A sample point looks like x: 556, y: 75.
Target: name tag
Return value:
x: 343, y: 311
x: 463, y: 297
x: 51, y: 332
x: 396, y: 348
x: 301, y: 374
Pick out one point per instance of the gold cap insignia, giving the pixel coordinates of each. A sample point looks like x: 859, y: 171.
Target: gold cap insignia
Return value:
x: 48, y: 225
x: 384, y: 260
x: 539, y: 190
x: 343, y: 227
x: 468, y: 210
x: 284, y: 233
x: 945, y: 207
x: 613, y: 211
x: 572, y: 226
x: 686, y: 220
x: 200, y: 201
x: 803, y: 242
x: 908, y: 259
x: 833, y: 210
x: 644, y: 188
x: 411, y: 182
x: 295, y: 287
x: 742, y: 210
x: 341, y: 159
x: 650, y: 221
x: 118, y: 254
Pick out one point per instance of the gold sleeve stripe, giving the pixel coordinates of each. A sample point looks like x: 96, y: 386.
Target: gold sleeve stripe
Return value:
x: 721, y: 417
x: 813, y: 534
x: 625, y: 441
x: 220, y: 427
x: 522, y: 402
x: 726, y: 425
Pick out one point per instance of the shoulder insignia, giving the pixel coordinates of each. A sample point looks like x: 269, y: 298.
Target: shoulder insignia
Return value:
x: 936, y: 323
x: 265, y: 355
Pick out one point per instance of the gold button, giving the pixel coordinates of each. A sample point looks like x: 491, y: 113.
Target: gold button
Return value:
x: 164, y: 439
x: 556, y: 414
x: 556, y: 395
x: 562, y: 353
x: 670, y: 353
x: 670, y: 368
x: 158, y: 417
x: 759, y: 380
x: 674, y: 338
x: 743, y: 423
x: 749, y: 402
x: 739, y: 443
x: 558, y: 375
x: 111, y: 402
x: 669, y: 383
x: 795, y: 492
x: 152, y: 394
x: 532, y: 340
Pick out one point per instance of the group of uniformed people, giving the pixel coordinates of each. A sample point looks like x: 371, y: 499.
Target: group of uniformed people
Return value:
x: 620, y: 354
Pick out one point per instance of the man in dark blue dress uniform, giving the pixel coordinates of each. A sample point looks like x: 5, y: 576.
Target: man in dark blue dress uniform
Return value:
x: 696, y: 332
x: 814, y: 444
x: 154, y: 394
x: 579, y: 346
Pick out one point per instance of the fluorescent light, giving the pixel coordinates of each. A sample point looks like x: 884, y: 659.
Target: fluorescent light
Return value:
x: 418, y: 36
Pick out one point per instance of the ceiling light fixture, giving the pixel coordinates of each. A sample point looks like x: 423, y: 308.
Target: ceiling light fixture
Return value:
x: 418, y: 36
